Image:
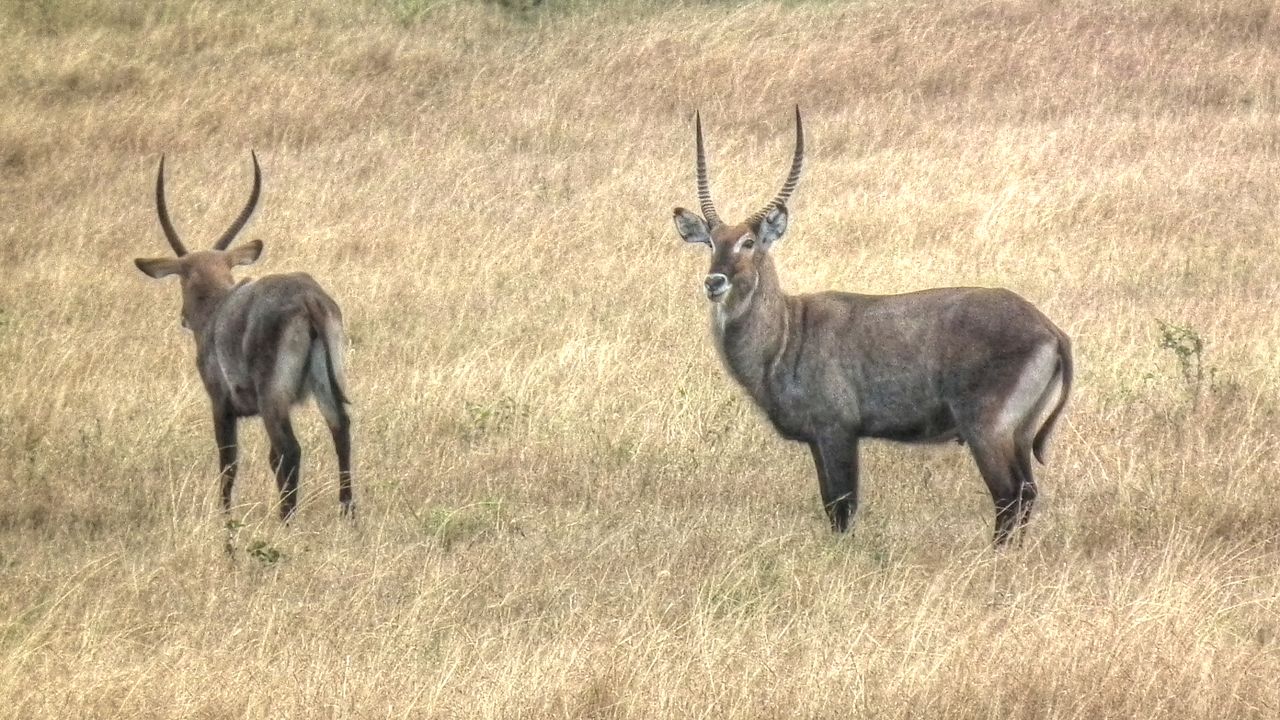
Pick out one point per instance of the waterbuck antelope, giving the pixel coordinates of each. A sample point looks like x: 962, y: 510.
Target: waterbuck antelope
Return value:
x: 978, y: 365
x: 261, y: 347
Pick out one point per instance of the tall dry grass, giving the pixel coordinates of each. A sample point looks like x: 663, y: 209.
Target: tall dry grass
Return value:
x: 568, y: 510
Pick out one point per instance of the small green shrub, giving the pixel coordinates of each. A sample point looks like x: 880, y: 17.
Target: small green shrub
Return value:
x: 488, y: 419
x: 450, y: 526
x: 265, y: 553
x: 1187, y: 346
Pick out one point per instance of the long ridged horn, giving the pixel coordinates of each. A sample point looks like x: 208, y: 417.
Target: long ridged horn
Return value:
x: 165, y: 224
x: 245, y: 214
x: 704, y: 188
x: 793, y: 176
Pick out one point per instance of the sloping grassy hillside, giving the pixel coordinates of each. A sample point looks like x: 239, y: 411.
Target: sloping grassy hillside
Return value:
x: 568, y: 510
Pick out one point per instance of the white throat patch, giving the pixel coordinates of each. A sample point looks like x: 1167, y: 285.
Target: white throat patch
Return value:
x: 722, y: 315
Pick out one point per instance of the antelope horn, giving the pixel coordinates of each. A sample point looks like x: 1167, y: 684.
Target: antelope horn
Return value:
x: 704, y: 189
x: 165, y: 223
x: 247, y: 212
x: 793, y: 176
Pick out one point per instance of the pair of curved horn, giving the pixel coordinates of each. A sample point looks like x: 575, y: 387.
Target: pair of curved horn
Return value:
x: 172, y: 235
x: 788, y: 187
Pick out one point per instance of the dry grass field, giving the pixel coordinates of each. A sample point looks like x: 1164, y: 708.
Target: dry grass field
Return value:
x: 567, y: 508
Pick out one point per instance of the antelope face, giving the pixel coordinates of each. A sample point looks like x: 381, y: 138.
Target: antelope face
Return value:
x: 735, y: 251
x: 733, y: 268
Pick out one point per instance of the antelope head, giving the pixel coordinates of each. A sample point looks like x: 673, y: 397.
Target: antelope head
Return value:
x: 737, y: 250
x: 205, y: 274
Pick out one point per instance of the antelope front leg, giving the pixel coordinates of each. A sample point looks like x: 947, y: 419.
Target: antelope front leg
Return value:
x: 224, y: 432
x: 836, y: 459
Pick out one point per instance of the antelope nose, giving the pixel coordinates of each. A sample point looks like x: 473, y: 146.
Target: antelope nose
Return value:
x: 717, y: 284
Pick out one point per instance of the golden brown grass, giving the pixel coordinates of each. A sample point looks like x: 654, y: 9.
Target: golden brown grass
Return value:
x: 568, y: 510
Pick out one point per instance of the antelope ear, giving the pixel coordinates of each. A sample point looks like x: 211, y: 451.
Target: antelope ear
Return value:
x: 771, y: 227
x: 691, y: 227
x: 158, y: 267
x: 245, y: 254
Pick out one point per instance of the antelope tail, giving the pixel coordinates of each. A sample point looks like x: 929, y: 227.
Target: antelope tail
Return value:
x: 328, y: 329
x: 1065, y: 371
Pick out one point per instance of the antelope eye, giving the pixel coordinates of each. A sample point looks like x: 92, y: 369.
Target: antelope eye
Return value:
x: 748, y: 244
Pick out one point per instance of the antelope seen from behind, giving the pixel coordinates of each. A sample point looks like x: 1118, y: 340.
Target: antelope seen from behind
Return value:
x: 262, y: 346
x: 978, y: 365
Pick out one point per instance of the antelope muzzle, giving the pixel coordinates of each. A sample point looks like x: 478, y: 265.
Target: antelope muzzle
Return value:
x: 717, y: 285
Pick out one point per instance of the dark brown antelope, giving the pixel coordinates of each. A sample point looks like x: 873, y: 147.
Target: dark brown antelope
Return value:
x: 978, y: 365
x: 262, y: 346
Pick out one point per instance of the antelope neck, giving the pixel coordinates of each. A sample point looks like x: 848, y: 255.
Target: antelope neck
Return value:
x: 752, y: 340
x: 204, y: 333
